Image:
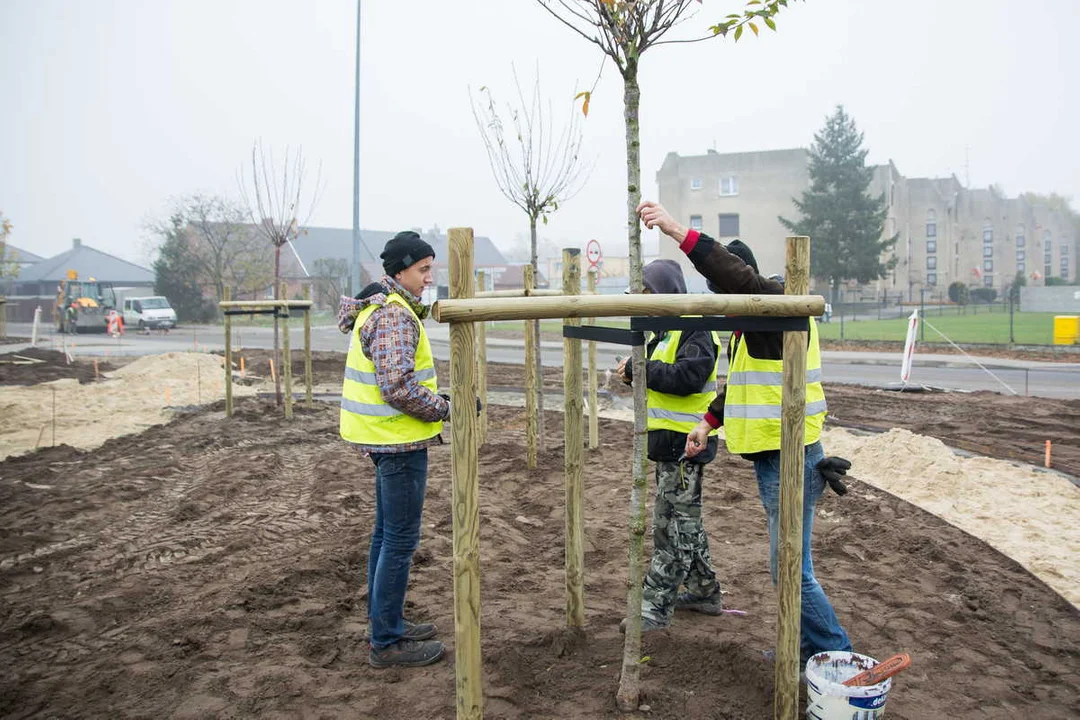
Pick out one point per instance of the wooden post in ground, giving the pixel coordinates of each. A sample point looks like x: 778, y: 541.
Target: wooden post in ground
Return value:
x: 789, y: 545
x: 286, y: 352
x: 594, y: 413
x: 465, y: 487
x: 572, y: 450
x: 481, y: 369
x: 532, y: 383
x: 228, y: 358
x: 309, y: 401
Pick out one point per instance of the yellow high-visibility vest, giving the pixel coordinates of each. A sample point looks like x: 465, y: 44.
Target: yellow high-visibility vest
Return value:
x: 679, y: 412
x: 752, y: 405
x: 367, y: 419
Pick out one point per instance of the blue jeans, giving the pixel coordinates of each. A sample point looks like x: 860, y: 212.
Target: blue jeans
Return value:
x: 821, y: 629
x: 400, y: 483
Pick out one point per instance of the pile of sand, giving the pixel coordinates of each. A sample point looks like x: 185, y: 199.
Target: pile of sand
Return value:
x: 1030, y: 515
x: 128, y: 400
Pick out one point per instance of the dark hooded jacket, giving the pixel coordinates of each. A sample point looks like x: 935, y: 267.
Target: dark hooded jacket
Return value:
x: 694, y: 361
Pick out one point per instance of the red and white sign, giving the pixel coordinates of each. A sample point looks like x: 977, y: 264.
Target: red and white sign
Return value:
x: 592, y: 252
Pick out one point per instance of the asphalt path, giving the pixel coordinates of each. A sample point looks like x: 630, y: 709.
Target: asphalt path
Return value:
x: 953, y: 372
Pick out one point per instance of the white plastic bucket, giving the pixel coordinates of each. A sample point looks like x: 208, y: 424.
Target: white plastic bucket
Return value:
x: 828, y: 699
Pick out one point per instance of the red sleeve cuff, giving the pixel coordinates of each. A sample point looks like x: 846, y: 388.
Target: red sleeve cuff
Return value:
x: 714, y: 422
x: 691, y: 240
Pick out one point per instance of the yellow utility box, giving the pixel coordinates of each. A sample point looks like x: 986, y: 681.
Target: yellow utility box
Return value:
x: 1066, y: 329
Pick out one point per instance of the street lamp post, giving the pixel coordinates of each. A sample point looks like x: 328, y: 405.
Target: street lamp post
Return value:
x: 356, y: 167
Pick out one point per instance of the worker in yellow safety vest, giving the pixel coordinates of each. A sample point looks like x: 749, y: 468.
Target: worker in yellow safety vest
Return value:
x: 391, y: 411
x: 680, y: 381
x: 749, y: 408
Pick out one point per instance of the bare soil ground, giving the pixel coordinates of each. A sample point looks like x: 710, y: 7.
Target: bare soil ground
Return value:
x: 214, y: 568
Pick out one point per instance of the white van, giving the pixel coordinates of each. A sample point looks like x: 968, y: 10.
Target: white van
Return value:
x: 146, y: 313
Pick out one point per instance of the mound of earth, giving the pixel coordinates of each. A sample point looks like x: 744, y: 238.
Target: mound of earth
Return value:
x: 215, y: 567
x: 49, y: 365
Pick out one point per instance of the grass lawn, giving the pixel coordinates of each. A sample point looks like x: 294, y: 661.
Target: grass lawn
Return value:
x: 1028, y: 328
x: 984, y: 327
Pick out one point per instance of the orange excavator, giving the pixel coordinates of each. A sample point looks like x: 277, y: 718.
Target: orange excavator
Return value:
x: 82, y: 306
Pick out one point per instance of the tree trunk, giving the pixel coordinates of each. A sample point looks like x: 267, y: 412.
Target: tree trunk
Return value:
x: 534, y: 328
x: 629, y: 691
x: 277, y: 347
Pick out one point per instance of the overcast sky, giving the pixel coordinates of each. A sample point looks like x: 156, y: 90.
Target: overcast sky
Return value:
x: 111, y: 107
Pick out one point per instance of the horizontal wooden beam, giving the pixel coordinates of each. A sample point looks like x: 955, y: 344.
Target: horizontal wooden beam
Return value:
x: 539, y: 308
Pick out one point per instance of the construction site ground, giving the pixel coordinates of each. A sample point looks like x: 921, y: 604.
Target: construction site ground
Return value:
x: 189, y: 565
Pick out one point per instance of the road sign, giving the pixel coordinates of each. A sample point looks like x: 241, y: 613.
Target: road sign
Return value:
x: 592, y: 252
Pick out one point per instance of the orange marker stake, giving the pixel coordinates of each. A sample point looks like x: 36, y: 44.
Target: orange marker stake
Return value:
x: 273, y: 376
x: 242, y: 366
x: 168, y: 399
x: 1047, y: 461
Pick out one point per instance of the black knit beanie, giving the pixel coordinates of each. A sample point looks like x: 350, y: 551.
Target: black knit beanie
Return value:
x: 742, y: 251
x: 404, y: 249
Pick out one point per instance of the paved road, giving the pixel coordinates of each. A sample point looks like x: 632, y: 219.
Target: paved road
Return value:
x: 1058, y: 380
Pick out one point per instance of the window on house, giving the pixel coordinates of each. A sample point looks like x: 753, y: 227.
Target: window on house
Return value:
x: 1064, y: 250
x: 988, y: 281
x: 1047, y: 269
x: 695, y: 222
x: 695, y: 183
x: 931, y: 246
x: 1020, y: 267
x: 988, y: 251
x: 931, y: 278
x: 1021, y: 237
x: 1065, y: 268
x: 931, y: 223
x: 1020, y: 256
x: 729, y: 185
x: 988, y: 232
x: 729, y: 225
x: 931, y: 263
x: 988, y: 266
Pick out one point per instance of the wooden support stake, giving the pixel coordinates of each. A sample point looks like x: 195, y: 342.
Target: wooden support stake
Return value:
x: 96, y: 376
x: 41, y: 434
x: 792, y: 454
x: 273, y: 372
x: 243, y: 372
x: 309, y: 400
x: 1046, y: 461
x: 228, y: 360
x: 481, y: 370
x: 286, y: 353
x: 465, y: 487
x: 572, y: 452
x: 594, y: 411
x: 532, y: 384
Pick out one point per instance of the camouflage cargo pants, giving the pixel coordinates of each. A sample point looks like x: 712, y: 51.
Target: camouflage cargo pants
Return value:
x: 680, y: 546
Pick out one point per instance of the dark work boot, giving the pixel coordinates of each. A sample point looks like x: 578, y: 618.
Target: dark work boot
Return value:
x: 406, y: 653
x: 712, y: 605
x: 419, y: 631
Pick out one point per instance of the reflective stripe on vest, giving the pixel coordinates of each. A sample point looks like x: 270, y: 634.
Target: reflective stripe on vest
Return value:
x: 678, y: 412
x: 753, y: 402
x: 366, y: 418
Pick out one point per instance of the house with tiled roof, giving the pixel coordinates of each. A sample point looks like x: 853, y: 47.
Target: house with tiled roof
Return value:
x: 36, y: 283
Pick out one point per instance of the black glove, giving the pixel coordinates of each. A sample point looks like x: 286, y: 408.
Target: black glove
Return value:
x: 833, y: 469
x: 479, y: 405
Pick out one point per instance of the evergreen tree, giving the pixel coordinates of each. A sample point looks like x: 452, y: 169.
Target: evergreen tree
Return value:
x: 843, y: 220
x: 176, y: 272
